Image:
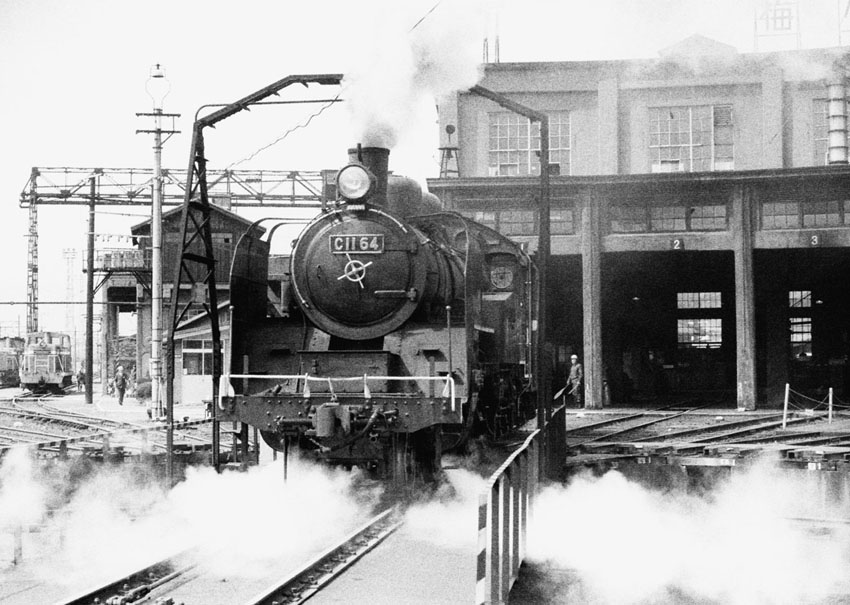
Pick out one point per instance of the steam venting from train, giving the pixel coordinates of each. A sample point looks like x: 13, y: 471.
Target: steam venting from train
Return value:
x: 403, y: 66
x: 110, y: 520
x: 742, y: 543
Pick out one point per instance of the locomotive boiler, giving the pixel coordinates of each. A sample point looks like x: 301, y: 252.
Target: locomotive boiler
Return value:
x: 403, y: 330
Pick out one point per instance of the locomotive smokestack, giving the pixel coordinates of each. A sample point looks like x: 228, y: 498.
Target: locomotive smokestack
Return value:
x: 376, y: 159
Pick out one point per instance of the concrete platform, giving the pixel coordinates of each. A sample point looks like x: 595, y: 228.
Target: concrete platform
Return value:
x: 406, y: 569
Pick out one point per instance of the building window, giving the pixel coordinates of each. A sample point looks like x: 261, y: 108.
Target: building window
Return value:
x: 822, y: 214
x: 705, y: 333
x: 197, y: 357
x: 813, y: 214
x: 561, y: 221
x: 800, y: 327
x: 691, y: 139
x: 698, y: 300
x: 780, y: 215
x: 517, y: 222
x: 708, y: 218
x: 782, y: 19
x: 641, y: 217
x: 667, y: 218
x: 628, y: 219
x: 515, y: 144
x: 820, y: 127
x: 798, y: 299
x: 801, y: 337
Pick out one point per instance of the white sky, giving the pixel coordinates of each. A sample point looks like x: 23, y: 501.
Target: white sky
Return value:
x: 73, y: 77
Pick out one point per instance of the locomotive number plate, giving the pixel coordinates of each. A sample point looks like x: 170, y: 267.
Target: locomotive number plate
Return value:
x: 360, y: 243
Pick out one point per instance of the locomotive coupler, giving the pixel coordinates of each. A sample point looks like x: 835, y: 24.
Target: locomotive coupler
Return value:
x: 331, y: 415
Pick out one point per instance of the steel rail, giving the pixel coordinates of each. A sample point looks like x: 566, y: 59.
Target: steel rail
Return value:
x: 709, y: 429
x: 642, y: 425
x: 307, y: 581
x: 767, y: 426
x: 134, y: 586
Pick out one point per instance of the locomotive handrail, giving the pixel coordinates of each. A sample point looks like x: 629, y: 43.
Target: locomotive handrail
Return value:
x: 449, y: 380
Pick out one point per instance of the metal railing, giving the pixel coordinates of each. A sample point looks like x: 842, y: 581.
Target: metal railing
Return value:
x: 503, y: 513
x: 448, y: 390
x: 507, y: 505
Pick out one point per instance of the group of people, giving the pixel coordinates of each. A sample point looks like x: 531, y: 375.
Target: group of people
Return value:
x: 117, y: 384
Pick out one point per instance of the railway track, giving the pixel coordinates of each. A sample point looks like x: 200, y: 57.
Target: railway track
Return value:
x: 667, y: 426
x: 182, y: 579
x: 34, y: 423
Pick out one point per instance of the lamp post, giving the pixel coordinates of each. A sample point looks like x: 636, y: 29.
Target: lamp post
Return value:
x: 157, y: 88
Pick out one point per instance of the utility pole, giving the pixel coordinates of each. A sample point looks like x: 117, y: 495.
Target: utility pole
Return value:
x: 71, y: 268
x: 90, y: 293
x: 158, y: 88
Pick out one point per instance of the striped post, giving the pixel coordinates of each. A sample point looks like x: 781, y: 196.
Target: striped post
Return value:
x: 785, y: 405
x: 505, y: 533
x: 481, y: 593
x: 516, y: 516
x: 494, y: 569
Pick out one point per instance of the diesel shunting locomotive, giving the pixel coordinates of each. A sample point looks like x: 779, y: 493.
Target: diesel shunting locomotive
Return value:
x: 11, y: 349
x: 404, y: 330
x: 46, y: 364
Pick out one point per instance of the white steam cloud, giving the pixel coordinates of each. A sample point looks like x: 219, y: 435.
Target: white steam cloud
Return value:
x: 411, y: 57
x: 627, y: 544
x: 450, y: 519
x: 118, y: 519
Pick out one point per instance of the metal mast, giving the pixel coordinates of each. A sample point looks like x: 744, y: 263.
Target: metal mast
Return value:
x: 32, y: 263
x: 198, y: 267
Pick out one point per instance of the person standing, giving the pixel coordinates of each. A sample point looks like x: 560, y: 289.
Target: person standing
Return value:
x: 120, y: 384
x: 575, y: 379
x: 81, y: 379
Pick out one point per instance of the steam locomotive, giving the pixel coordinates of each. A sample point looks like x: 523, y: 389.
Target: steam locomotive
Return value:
x: 404, y: 331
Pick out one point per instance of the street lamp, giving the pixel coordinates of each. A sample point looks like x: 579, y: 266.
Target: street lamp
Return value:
x: 157, y: 87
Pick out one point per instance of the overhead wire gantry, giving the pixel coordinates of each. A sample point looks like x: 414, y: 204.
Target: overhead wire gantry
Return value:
x: 66, y: 186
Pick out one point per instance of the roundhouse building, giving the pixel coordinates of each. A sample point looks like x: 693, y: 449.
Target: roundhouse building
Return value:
x: 700, y: 216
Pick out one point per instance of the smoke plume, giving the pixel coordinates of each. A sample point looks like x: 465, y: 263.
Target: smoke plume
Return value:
x: 409, y: 59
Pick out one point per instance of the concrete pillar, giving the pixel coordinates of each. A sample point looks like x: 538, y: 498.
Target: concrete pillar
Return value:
x: 141, y: 370
x: 608, y: 92
x: 745, y: 322
x: 591, y: 281
x: 108, y: 330
x: 774, y: 309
